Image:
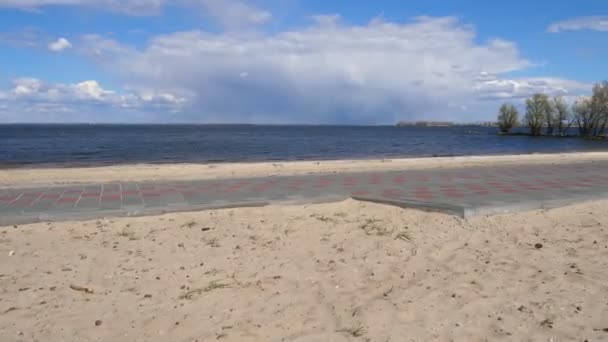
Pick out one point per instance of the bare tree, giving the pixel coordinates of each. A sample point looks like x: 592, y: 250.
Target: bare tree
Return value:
x: 537, y: 110
x: 551, y: 119
x: 590, y: 114
x: 508, y: 116
x: 583, y: 116
x: 599, y: 108
x: 562, y: 114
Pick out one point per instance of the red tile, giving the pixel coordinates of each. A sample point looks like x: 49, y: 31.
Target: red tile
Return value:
x: 113, y: 198
x: 151, y: 194
x: 23, y: 202
x: 453, y: 194
x: 91, y: 195
x: 391, y: 193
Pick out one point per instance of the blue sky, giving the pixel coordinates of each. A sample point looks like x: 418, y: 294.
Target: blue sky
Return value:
x: 292, y: 61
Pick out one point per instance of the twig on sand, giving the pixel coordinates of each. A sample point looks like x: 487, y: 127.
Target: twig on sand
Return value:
x: 405, y: 236
x: 81, y: 289
x: 214, y: 285
x: 12, y: 308
x: 354, y: 331
x: 189, y: 224
x: 386, y: 293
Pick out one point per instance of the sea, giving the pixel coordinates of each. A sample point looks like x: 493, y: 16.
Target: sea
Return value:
x: 55, y: 145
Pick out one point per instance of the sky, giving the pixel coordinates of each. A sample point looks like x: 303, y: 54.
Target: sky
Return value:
x: 292, y: 61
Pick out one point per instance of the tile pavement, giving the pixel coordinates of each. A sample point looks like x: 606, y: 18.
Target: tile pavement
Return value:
x: 462, y: 191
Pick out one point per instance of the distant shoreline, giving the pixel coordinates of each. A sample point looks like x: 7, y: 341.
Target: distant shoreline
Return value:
x: 26, y: 177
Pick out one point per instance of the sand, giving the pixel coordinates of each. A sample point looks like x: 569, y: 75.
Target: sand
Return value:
x: 24, y: 177
x: 346, y: 271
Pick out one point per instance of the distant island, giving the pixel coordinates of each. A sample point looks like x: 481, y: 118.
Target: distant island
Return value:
x: 442, y: 124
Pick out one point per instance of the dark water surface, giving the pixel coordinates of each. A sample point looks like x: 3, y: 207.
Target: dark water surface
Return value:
x: 77, y: 145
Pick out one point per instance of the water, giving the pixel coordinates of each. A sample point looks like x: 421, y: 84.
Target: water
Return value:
x: 77, y: 145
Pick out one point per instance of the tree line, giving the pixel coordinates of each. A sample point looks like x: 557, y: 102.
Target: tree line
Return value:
x: 588, y: 114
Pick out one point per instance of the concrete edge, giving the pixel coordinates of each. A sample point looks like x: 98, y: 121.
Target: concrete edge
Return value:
x: 532, y: 205
x: 311, y: 201
x: 463, y: 211
x: 413, y: 204
x: 136, y: 212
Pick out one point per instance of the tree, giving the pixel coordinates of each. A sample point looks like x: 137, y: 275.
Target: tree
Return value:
x: 583, y: 116
x: 599, y: 108
x: 507, y: 118
x: 562, y: 115
x: 537, y: 111
x: 550, y: 117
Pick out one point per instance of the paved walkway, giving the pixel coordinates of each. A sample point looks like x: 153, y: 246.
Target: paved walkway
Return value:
x: 461, y: 191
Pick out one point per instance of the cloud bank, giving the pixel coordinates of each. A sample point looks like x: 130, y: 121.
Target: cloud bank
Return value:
x: 430, y: 68
x: 33, y: 100
x: 329, y: 72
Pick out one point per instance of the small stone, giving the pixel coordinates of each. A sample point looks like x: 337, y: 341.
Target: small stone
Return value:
x: 98, y: 322
x: 538, y: 245
x: 11, y: 253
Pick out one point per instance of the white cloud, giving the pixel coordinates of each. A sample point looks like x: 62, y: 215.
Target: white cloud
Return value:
x: 131, y: 7
x: 513, y: 89
x: 91, y: 90
x: 33, y: 100
x: 26, y: 86
x: 229, y: 13
x: 60, y: 45
x: 326, y: 19
x: 330, y: 72
x: 27, y: 37
x: 596, y: 23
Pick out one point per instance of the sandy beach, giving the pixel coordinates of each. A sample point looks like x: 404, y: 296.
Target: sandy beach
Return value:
x: 346, y: 271
x: 28, y: 177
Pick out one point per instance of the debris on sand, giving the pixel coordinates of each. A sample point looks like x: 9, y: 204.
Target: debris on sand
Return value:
x: 214, y: 285
x: 81, y: 289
